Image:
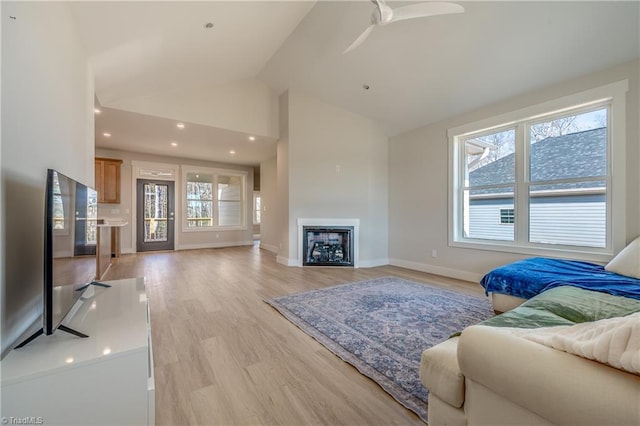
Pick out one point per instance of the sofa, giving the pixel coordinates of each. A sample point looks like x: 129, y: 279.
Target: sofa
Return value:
x: 502, y: 372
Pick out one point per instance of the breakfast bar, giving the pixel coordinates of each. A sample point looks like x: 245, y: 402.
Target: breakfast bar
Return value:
x: 108, y: 245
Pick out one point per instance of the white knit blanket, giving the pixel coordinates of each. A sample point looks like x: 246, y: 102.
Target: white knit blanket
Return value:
x: 613, y: 341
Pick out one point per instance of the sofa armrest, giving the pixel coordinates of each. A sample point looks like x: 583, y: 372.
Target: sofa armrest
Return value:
x: 440, y: 373
x: 560, y: 387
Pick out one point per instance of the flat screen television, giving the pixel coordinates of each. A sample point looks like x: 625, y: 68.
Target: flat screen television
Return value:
x: 70, y: 237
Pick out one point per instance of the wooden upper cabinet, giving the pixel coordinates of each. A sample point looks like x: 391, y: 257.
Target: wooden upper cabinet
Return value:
x: 108, y: 180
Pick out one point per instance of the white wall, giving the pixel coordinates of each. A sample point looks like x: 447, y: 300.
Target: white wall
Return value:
x: 419, y: 173
x: 338, y: 168
x: 269, y: 199
x: 47, y: 122
x: 184, y: 240
x: 281, y: 209
x: 248, y: 106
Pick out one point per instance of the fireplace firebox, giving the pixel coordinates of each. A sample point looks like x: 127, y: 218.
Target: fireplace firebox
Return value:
x: 327, y: 246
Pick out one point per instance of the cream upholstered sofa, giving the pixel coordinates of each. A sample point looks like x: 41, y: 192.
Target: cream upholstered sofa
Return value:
x: 488, y: 376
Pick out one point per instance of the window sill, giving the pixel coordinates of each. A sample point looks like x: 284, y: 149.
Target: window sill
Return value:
x: 577, y: 253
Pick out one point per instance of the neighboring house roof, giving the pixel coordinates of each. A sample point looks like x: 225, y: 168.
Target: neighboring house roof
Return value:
x: 569, y: 156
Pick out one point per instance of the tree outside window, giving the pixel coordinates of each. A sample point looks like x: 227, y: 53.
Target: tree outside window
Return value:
x: 214, y: 199
x: 199, y: 200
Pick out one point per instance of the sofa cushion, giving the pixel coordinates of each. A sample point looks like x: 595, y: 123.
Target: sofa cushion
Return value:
x: 562, y: 388
x: 440, y: 373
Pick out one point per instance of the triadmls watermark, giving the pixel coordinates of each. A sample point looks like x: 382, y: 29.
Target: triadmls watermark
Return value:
x: 26, y: 420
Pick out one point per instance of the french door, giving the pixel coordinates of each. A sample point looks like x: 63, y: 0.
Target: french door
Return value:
x: 155, y: 215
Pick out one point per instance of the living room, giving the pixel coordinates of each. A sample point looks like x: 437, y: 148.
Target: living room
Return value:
x: 394, y: 177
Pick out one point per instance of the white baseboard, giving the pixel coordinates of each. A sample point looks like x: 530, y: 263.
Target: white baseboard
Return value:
x: 437, y: 270
x: 286, y: 261
x: 361, y: 264
x: 269, y: 247
x: 372, y: 263
x: 214, y: 245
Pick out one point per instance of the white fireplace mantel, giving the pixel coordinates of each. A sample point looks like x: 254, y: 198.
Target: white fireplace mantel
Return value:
x: 330, y: 222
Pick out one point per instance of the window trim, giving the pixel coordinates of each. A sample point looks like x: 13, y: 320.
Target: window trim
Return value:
x: 615, y: 95
x: 256, y: 210
x: 214, y: 172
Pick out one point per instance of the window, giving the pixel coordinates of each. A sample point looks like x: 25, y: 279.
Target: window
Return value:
x: 199, y: 200
x: 214, y: 199
x: 506, y: 216
x: 58, y: 206
x: 91, y: 231
x: 545, y: 181
x: 230, y: 190
x: 256, y: 208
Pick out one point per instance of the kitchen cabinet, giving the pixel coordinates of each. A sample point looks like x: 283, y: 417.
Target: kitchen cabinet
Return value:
x: 108, y: 180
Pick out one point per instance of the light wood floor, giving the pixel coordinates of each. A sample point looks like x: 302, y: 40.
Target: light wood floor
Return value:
x: 224, y: 357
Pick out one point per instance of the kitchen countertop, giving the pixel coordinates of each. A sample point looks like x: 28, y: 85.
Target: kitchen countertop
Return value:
x: 106, y: 223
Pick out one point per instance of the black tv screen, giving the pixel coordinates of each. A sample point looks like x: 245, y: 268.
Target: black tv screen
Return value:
x: 71, y: 212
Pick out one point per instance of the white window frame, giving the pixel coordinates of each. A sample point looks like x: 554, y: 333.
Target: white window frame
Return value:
x: 256, y: 210
x: 214, y: 173
x: 614, y: 95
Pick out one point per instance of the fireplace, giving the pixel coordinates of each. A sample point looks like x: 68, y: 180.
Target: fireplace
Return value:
x: 327, y: 246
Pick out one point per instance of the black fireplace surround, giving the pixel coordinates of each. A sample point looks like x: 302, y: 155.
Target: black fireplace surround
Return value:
x: 327, y: 245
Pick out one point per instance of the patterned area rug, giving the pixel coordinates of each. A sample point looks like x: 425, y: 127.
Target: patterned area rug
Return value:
x: 382, y: 326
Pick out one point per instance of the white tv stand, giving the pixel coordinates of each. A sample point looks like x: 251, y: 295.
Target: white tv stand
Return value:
x: 104, y: 379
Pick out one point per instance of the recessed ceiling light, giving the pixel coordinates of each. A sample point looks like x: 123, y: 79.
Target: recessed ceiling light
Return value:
x: 208, y: 25
x: 252, y: 138
x: 232, y: 152
x: 366, y: 87
x: 174, y: 143
x: 180, y: 125
x: 106, y: 135
x: 97, y: 110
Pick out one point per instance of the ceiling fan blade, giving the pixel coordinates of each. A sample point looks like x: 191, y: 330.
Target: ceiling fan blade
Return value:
x: 422, y: 10
x: 360, y: 39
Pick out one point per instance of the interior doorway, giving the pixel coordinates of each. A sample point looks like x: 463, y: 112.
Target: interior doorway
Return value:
x: 155, y: 219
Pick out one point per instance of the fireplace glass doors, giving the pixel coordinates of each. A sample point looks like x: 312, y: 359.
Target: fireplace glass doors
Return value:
x: 327, y: 246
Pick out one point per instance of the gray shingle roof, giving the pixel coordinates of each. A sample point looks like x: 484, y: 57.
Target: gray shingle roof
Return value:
x: 569, y: 156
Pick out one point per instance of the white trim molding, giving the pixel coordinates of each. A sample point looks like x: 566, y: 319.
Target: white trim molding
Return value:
x: 286, y: 261
x: 269, y: 247
x: 437, y: 270
x: 214, y: 245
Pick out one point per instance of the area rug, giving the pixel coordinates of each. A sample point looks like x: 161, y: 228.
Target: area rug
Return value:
x: 381, y: 327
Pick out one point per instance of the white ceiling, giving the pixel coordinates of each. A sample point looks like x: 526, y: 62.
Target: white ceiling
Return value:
x: 419, y: 71
x: 130, y: 131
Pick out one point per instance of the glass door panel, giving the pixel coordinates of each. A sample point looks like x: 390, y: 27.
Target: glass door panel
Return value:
x: 155, y: 215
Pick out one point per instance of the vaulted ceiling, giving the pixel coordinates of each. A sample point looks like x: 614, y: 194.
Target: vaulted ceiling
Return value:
x: 158, y: 59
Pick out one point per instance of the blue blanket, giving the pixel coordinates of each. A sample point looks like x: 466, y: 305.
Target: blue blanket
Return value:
x: 529, y: 277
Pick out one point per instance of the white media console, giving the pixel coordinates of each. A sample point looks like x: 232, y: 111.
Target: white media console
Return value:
x: 106, y: 378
